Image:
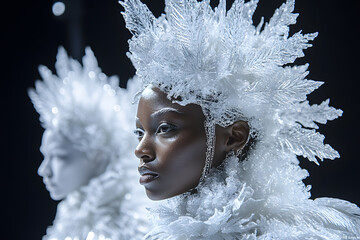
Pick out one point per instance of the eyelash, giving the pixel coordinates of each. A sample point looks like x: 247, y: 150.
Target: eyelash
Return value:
x: 167, y: 126
x: 139, y: 133
x: 162, y: 129
x: 61, y: 157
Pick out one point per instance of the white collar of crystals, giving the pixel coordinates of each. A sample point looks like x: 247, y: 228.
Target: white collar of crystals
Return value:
x: 262, y: 197
x: 104, y: 209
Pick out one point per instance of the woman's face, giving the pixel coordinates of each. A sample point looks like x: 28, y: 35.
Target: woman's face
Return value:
x: 172, y: 145
x: 64, y: 168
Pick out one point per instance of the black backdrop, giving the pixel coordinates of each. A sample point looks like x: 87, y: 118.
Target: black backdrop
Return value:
x: 32, y: 35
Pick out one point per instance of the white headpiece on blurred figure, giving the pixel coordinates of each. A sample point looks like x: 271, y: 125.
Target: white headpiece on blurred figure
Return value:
x: 82, y: 103
x: 234, y: 70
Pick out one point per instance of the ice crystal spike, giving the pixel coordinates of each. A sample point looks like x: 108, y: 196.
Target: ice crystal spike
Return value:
x: 308, y: 115
x: 138, y: 19
x: 280, y: 21
x: 306, y: 143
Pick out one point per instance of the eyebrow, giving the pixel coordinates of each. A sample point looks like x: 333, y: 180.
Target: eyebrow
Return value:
x: 165, y: 111
x: 54, y: 148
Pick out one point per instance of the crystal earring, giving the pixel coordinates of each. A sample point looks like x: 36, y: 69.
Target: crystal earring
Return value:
x: 238, y: 152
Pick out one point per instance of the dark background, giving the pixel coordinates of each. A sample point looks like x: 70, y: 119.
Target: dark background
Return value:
x: 32, y: 34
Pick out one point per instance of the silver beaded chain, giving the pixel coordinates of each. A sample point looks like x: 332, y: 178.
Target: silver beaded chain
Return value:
x: 209, y: 125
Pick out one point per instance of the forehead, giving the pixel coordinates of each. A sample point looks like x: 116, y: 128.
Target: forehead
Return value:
x: 155, y: 97
x: 153, y: 100
x: 54, y: 139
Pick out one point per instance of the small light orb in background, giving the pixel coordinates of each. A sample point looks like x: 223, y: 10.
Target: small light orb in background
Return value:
x: 54, y: 110
x: 58, y: 8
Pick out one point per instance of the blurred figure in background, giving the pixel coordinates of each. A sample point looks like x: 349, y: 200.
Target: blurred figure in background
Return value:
x: 87, y: 163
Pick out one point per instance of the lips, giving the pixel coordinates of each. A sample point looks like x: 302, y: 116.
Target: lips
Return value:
x: 147, y: 175
x: 49, y: 185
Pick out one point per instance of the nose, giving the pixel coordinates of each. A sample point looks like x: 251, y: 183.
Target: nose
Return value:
x: 145, y: 149
x: 44, y: 169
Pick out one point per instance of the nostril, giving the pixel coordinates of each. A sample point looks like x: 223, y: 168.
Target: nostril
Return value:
x: 147, y: 158
x: 145, y: 154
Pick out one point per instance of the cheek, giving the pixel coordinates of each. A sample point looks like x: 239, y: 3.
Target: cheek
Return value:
x: 59, y: 168
x: 81, y: 172
x: 73, y: 174
x: 182, y: 161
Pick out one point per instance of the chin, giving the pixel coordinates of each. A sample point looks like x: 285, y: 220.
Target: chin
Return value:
x: 155, y: 196
x: 152, y: 196
x: 57, y: 196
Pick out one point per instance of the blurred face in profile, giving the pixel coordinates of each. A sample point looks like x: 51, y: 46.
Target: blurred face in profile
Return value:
x: 64, y: 168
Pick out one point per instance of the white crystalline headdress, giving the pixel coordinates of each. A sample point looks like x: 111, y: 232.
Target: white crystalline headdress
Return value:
x: 234, y: 70
x: 81, y: 102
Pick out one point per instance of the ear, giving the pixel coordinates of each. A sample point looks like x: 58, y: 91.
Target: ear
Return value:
x: 238, y: 134
x: 99, y: 163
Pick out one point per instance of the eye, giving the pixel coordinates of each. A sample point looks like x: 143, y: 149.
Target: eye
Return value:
x: 59, y: 156
x: 139, y: 133
x: 54, y: 158
x: 166, y: 128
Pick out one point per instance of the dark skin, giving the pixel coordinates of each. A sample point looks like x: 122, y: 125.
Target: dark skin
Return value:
x: 172, y: 144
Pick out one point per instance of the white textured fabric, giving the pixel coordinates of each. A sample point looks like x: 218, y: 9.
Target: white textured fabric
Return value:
x: 97, y: 116
x: 236, y: 202
x: 234, y: 70
x: 105, y: 209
